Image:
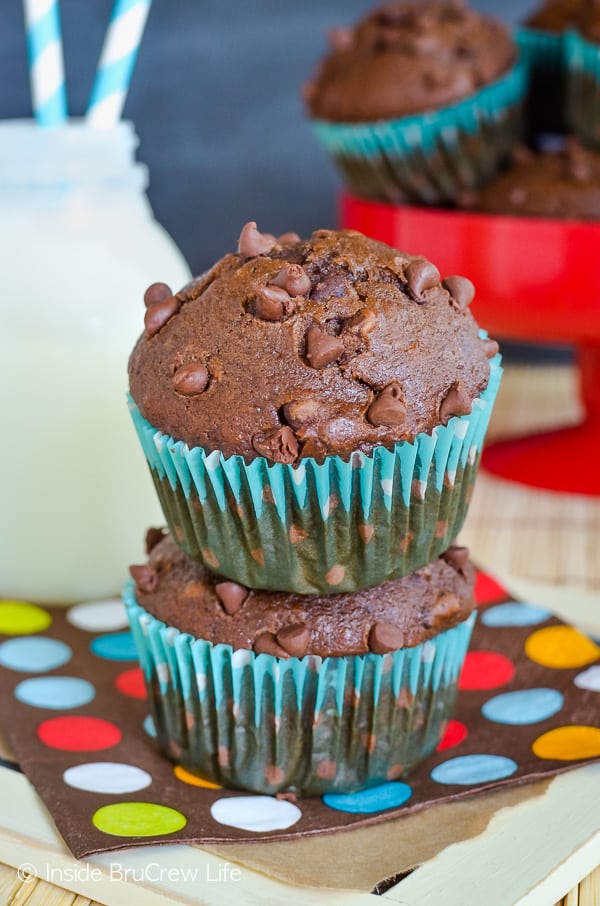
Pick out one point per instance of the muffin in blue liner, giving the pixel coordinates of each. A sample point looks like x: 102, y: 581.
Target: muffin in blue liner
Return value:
x: 320, y: 438
x: 582, y: 62
x: 321, y: 527
x: 305, y: 725
x: 418, y: 102
x: 434, y: 157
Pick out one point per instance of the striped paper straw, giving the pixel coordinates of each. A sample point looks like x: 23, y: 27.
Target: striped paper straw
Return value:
x: 46, y: 67
x: 117, y: 61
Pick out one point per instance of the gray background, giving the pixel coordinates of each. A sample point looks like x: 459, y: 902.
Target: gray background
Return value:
x: 215, y: 98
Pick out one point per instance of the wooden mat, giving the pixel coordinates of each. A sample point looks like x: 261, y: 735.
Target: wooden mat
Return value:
x: 526, y: 534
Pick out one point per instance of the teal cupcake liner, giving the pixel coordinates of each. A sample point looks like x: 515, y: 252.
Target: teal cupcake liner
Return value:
x: 582, y: 61
x: 543, y: 54
x: 321, y: 528
x: 308, y: 726
x: 432, y: 157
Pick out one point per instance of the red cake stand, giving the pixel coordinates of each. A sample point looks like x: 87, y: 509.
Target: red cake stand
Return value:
x: 537, y: 280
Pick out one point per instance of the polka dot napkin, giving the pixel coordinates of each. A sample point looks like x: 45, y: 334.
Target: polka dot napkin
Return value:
x: 73, y: 702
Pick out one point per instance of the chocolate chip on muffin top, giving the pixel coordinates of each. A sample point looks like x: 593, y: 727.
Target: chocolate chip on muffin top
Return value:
x: 294, y: 348
x: 406, y: 58
x: 398, y: 614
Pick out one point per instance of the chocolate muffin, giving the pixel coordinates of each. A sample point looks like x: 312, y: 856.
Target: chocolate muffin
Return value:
x: 313, y: 412
x: 402, y: 613
x: 562, y: 184
x: 556, y: 15
x: 292, y: 710
x: 293, y: 349
x: 406, y: 58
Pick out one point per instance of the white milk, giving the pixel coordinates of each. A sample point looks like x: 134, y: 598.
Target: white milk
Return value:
x: 78, y: 247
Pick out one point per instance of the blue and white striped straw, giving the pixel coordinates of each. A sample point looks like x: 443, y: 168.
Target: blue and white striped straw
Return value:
x: 46, y: 66
x: 117, y: 60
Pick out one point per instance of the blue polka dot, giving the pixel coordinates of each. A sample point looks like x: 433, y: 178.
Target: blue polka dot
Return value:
x: 470, y: 769
x: 513, y: 614
x: 34, y: 654
x: 375, y: 799
x: 116, y: 646
x: 149, y: 726
x: 56, y: 692
x: 528, y: 706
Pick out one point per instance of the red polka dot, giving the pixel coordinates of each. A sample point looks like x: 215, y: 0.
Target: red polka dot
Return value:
x: 131, y: 682
x: 455, y: 733
x: 79, y: 734
x: 485, y: 670
x: 488, y: 590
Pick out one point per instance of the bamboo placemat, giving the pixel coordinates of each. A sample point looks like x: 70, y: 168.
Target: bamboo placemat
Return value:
x: 527, y: 534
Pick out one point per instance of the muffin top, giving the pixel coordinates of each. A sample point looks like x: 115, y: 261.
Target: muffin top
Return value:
x: 588, y: 20
x: 406, y: 58
x: 294, y: 348
x: 398, y: 614
x: 561, y: 184
x: 556, y: 15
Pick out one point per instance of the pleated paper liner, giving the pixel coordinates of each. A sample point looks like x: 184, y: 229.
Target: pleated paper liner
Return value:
x: 321, y: 528
x: 73, y: 702
x: 582, y: 61
x: 432, y: 157
x: 306, y: 725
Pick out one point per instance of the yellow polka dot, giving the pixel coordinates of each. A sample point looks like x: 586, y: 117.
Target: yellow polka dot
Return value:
x: 568, y: 743
x: 561, y: 647
x: 193, y: 779
x: 20, y: 618
x: 138, y: 819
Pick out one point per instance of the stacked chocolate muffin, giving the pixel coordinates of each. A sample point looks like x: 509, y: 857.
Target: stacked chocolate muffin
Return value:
x: 312, y: 413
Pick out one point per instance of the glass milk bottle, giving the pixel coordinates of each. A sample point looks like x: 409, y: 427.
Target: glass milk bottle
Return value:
x: 78, y: 247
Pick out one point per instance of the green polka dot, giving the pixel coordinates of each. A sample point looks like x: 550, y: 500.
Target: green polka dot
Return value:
x: 20, y: 618
x: 138, y: 819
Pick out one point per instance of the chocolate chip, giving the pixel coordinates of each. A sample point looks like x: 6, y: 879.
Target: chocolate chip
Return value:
x: 421, y: 275
x: 335, y: 286
x: 266, y: 643
x: 517, y: 196
x: 298, y: 412
x: 157, y: 292
x: 490, y: 347
x: 159, y: 313
x: 446, y: 607
x: 388, y: 408
x: 153, y: 537
x: 294, y: 639
x: 340, y: 38
x: 288, y: 238
x: 279, y: 445
x: 362, y: 322
x: 231, y: 595
x: 461, y: 290
x: 456, y: 402
x: 145, y: 578
x: 322, y: 348
x: 190, y: 380
x: 252, y: 243
x: 457, y: 557
x: 272, y: 303
x: 385, y: 637
x: 293, y: 279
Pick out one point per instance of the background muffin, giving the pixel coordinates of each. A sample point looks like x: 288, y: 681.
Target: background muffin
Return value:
x: 562, y: 184
x: 418, y: 101
x: 273, y: 695
x: 297, y: 406
x: 582, y: 58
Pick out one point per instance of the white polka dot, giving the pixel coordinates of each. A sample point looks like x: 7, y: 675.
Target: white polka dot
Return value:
x: 149, y: 726
x: 107, y: 777
x: 255, y: 813
x: 472, y: 454
x: 162, y: 672
x: 451, y: 477
x: 298, y: 475
x: 212, y: 461
x: 201, y: 681
x: 428, y: 653
x: 98, y: 616
x: 461, y: 428
x: 388, y: 485
x: 589, y: 679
